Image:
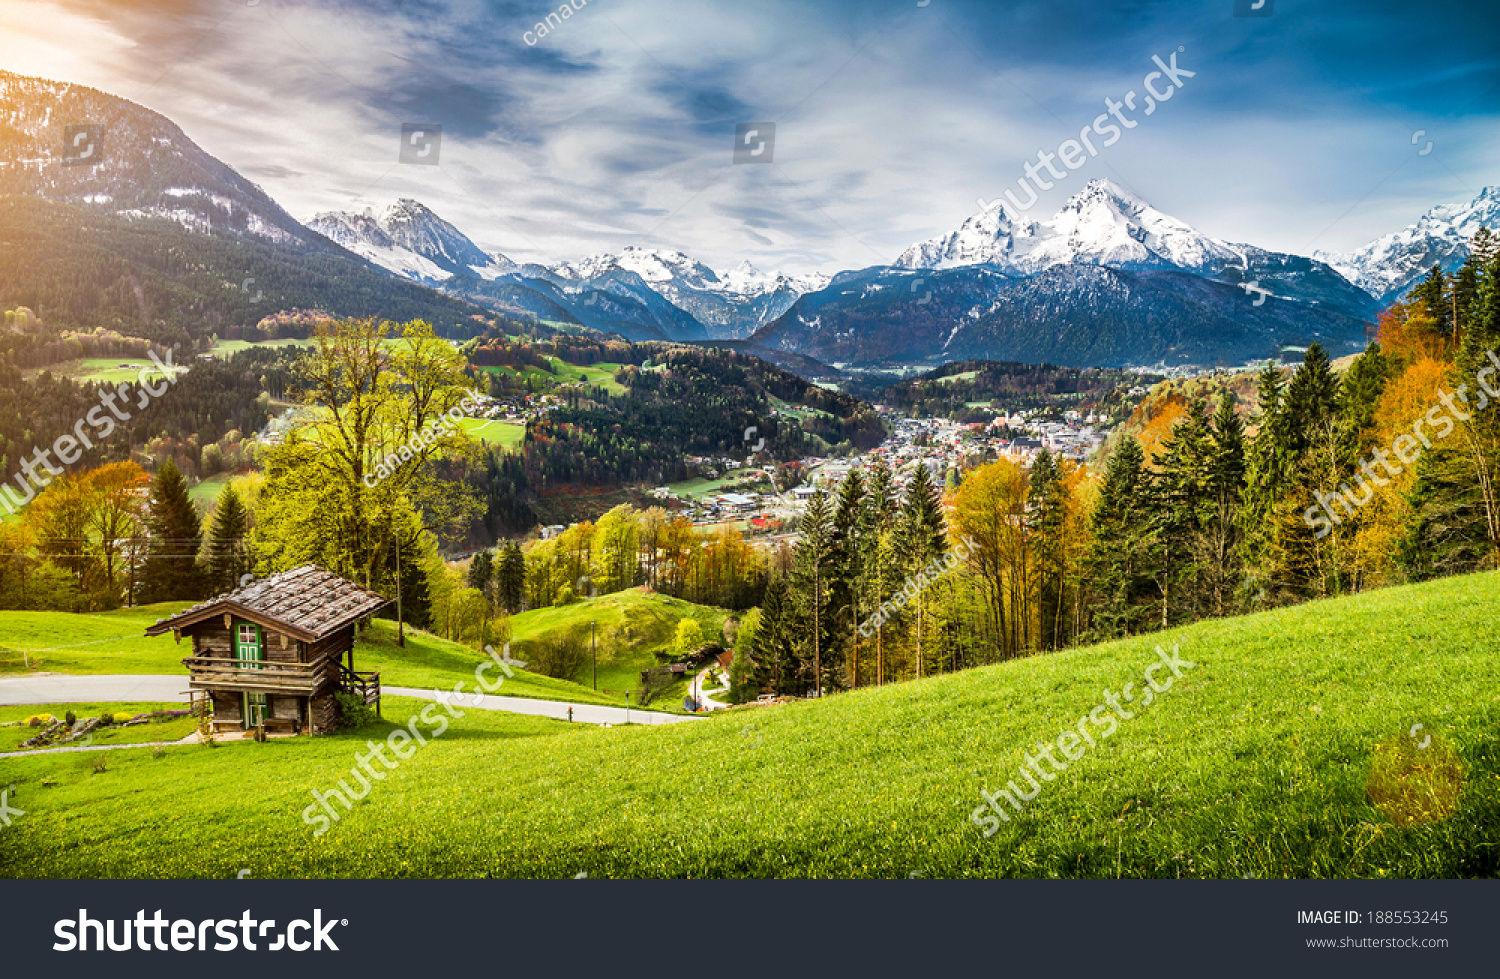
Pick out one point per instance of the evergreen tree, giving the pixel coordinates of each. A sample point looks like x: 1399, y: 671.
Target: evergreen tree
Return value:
x: 1221, y: 534
x: 879, y: 558
x: 1178, y: 494
x: 175, y: 538
x: 482, y: 574
x: 1047, y: 514
x: 771, y: 644
x: 813, y: 566
x: 846, y: 578
x: 226, y: 557
x: 1121, y: 556
x: 510, y: 578
x: 1436, y: 294
x: 921, y: 538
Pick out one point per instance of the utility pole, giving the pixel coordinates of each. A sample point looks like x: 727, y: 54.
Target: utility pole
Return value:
x: 400, y: 622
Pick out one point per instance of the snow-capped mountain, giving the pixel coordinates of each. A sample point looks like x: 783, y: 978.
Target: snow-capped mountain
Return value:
x: 409, y: 239
x: 730, y: 305
x: 1388, y: 266
x: 1103, y: 224
x: 126, y: 160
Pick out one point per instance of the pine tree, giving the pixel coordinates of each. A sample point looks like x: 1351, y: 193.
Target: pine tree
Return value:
x: 482, y: 574
x: 880, y: 510
x: 1121, y: 556
x: 1046, y: 520
x: 1178, y: 495
x: 510, y: 578
x: 921, y: 538
x: 1221, y: 558
x: 813, y: 562
x: 771, y: 646
x: 226, y: 558
x: 175, y: 538
x: 846, y: 576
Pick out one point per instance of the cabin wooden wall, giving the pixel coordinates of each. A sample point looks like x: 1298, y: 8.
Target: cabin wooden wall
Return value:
x: 325, y: 713
x: 335, y: 645
x: 227, y: 708
x: 209, y: 640
x: 275, y: 654
x: 286, y: 708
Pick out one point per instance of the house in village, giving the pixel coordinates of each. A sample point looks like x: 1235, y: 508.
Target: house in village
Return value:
x: 277, y: 650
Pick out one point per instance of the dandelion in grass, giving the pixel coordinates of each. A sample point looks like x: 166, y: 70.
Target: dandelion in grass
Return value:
x: 1415, y: 779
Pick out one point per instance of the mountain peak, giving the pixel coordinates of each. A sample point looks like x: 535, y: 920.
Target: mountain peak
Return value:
x: 1102, y: 224
x: 409, y: 238
x: 1389, y: 265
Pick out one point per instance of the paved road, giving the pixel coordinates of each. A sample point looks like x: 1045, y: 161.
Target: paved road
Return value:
x: 59, y: 689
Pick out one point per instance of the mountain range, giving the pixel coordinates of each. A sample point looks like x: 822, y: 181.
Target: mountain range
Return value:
x: 1108, y: 280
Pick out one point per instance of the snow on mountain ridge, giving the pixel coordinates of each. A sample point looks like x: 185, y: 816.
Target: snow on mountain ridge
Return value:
x: 408, y: 238
x: 1391, y: 263
x: 1103, y: 224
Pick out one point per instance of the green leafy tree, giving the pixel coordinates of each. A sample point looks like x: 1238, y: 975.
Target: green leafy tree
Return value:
x: 689, y: 637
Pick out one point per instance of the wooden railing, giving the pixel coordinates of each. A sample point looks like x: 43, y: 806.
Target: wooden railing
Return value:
x: 366, y: 686
x: 253, y: 674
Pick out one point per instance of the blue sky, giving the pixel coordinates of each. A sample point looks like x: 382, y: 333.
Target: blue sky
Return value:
x: 892, y: 119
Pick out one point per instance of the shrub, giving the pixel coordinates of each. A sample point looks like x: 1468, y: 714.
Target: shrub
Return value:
x: 106, y: 718
x: 354, y: 713
x: 563, y: 656
x: 122, y: 717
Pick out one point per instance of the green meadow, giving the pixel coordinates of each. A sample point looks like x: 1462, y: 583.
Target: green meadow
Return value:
x: 508, y: 435
x: 1290, y: 749
x: 111, y: 643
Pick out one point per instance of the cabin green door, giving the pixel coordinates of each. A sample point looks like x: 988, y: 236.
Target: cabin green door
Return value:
x: 249, y: 650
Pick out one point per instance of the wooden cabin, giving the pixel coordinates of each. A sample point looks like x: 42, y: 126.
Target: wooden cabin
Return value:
x: 277, y: 650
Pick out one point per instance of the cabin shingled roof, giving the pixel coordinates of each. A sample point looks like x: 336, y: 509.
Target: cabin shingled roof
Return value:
x: 307, y: 600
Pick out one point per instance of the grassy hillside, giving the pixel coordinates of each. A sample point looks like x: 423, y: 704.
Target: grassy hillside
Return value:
x: 634, y: 630
x: 507, y: 435
x: 1257, y: 763
x: 114, y: 643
